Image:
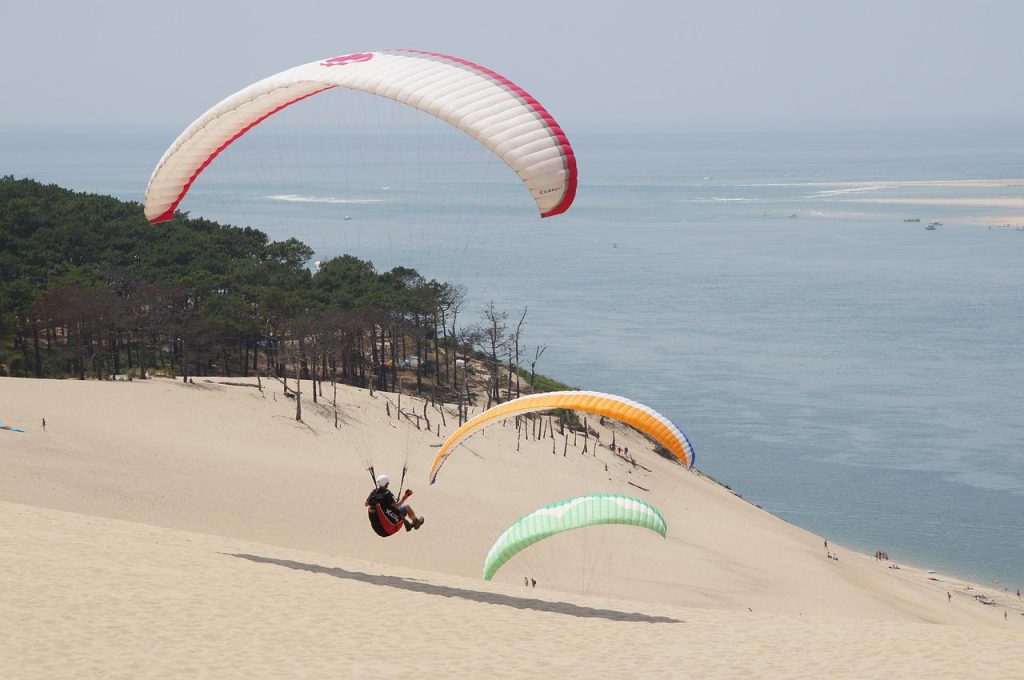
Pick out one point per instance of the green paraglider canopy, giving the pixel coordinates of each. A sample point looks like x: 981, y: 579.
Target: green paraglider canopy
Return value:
x: 572, y: 513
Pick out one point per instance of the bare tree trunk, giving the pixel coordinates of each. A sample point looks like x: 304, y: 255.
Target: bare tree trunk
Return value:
x: 437, y: 359
x: 508, y: 392
x: 142, y: 355
x: 383, y: 385
x: 419, y: 366
x: 459, y: 392
x: 496, y: 342
x: 298, y: 392
x: 312, y: 374
x: 128, y: 345
x: 184, y: 362
x: 394, y: 359
x: 516, y: 337
x: 533, y: 364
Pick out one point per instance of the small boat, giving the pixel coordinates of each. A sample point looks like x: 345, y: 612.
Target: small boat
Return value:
x: 930, y: 227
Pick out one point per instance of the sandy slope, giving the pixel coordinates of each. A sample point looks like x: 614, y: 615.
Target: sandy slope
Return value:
x: 114, y: 582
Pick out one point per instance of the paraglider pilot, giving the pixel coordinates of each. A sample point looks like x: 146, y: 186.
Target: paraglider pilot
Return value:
x: 383, y: 496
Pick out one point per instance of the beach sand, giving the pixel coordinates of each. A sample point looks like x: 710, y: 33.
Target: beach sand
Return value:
x: 158, y: 529
x: 965, y: 202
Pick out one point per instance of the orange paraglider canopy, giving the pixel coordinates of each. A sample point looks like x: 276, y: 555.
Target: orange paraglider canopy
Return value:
x: 643, y: 418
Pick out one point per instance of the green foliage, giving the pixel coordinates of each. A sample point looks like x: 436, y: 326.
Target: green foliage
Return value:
x: 89, y: 287
x: 542, y: 383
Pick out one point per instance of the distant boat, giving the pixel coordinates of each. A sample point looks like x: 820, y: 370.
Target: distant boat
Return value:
x: 930, y: 227
x: 348, y: 217
x: 792, y: 216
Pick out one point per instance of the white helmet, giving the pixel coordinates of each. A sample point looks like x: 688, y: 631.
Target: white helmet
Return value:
x: 383, y: 480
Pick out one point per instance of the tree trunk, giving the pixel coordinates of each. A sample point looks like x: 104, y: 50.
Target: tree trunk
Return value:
x: 184, y: 360
x: 20, y: 340
x: 394, y: 360
x: 128, y: 356
x: 298, y: 396
x: 35, y: 346
x: 419, y: 367
x: 141, y: 341
x: 437, y: 358
x: 313, y: 377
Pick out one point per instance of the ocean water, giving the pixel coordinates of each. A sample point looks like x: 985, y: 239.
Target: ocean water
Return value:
x: 850, y: 372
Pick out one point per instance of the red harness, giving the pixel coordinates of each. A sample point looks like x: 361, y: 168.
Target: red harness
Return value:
x: 384, y: 522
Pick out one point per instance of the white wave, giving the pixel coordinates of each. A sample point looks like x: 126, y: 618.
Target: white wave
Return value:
x: 296, y: 198
x: 722, y: 199
x: 797, y: 184
x: 849, y: 190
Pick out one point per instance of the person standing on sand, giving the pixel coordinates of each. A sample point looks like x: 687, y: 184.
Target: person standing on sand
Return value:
x: 386, y: 499
x: 44, y: 428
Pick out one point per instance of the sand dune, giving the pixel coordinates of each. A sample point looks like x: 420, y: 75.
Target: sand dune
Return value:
x: 158, y: 529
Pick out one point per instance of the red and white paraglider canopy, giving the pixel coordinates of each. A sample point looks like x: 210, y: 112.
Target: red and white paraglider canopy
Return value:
x: 487, y: 106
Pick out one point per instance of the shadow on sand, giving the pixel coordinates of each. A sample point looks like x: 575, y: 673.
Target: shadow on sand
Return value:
x: 464, y: 593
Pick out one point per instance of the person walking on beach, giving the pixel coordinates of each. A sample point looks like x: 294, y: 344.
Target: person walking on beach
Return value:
x: 386, y: 499
x: 44, y: 424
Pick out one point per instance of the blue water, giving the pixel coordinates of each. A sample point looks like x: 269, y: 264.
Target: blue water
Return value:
x: 846, y: 370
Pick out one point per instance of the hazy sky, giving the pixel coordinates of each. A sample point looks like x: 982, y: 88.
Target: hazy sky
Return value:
x: 591, y: 63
